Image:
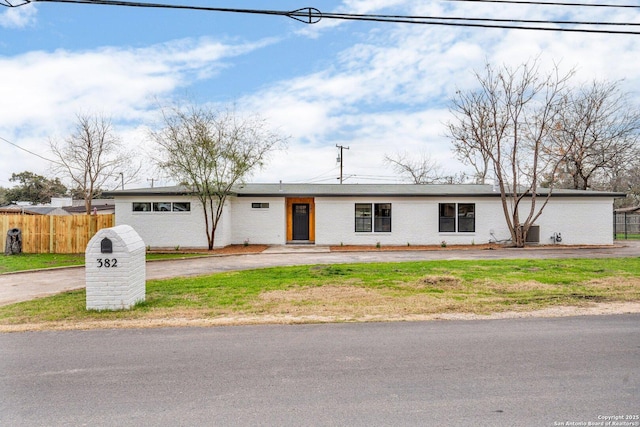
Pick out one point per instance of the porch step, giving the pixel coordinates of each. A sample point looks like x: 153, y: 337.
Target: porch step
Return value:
x: 297, y: 249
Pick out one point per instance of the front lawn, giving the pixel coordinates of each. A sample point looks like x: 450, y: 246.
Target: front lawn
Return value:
x: 24, y: 262
x: 350, y: 292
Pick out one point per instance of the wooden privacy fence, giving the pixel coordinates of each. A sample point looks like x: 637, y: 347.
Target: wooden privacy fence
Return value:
x: 55, y: 234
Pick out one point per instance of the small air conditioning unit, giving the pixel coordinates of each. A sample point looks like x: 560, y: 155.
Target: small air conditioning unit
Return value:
x: 533, y: 236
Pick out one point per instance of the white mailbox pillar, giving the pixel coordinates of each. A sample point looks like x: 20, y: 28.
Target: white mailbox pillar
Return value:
x: 115, y: 269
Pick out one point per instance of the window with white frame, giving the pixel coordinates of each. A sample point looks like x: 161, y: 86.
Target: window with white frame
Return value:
x: 457, y: 217
x: 161, y: 207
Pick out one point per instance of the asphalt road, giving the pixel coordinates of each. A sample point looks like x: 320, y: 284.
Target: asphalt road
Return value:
x: 526, y: 372
x: 26, y: 286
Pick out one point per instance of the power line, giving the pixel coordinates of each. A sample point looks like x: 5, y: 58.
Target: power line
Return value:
x: 317, y: 177
x: 456, y: 18
x: 549, y: 3
x: 27, y: 151
x: 489, y: 23
x: 312, y: 15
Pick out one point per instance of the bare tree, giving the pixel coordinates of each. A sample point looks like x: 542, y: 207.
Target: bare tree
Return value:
x: 421, y: 169
x: 597, y: 133
x: 91, y: 155
x: 211, y: 151
x: 466, y: 143
x: 508, y: 121
x: 625, y: 177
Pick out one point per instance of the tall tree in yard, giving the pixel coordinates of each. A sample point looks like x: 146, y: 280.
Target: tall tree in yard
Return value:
x: 92, y: 155
x: 597, y: 135
x: 211, y: 151
x: 507, y: 121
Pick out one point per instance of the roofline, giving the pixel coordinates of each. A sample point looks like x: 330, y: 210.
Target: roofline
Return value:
x: 146, y: 192
x: 412, y: 195
x: 359, y: 190
x: 553, y: 194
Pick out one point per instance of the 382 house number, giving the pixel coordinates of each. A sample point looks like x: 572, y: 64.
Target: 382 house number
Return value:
x: 107, y: 262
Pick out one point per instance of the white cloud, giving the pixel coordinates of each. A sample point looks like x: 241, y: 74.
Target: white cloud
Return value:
x: 46, y: 90
x: 18, y: 17
x: 390, y: 90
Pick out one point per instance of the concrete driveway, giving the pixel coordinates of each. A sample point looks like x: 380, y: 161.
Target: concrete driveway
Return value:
x: 16, y: 287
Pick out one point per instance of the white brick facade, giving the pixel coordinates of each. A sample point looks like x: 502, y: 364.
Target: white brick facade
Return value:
x: 172, y: 230
x: 263, y: 219
x: 115, y: 280
x: 415, y: 221
x: 258, y: 225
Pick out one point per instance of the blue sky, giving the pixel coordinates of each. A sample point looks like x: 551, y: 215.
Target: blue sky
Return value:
x: 378, y: 88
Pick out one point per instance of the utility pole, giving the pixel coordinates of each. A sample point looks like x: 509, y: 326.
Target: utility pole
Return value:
x: 339, y: 159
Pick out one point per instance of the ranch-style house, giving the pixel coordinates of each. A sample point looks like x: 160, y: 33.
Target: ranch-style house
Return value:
x: 361, y: 214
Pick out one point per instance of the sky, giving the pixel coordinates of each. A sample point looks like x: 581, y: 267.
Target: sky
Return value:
x: 377, y: 88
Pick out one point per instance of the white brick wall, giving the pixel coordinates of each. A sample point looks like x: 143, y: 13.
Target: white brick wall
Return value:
x: 414, y: 220
x: 115, y: 280
x: 172, y: 229
x: 259, y: 225
x: 582, y: 221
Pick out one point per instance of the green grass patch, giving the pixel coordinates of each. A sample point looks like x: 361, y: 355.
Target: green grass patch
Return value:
x: 352, y: 291
x: 628, y: 236
x: 23, y: 262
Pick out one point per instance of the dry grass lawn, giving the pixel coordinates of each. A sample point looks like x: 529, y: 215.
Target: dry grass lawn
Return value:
x: 447, y: 298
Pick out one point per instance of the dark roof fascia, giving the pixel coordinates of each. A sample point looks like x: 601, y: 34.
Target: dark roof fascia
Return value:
x: 413, y: 195
x: 148, y: 192
x: 303, y: 195
x: 247, y: 192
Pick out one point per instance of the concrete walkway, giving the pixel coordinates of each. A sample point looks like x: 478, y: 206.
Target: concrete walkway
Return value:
x: 18, y: 287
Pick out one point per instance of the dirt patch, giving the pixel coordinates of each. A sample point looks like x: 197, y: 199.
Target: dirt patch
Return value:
x: 438, y: 295
x: 289, y: 319
x: 439, y: 282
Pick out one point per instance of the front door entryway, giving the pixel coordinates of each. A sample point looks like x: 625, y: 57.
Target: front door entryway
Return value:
x: 300, y: 221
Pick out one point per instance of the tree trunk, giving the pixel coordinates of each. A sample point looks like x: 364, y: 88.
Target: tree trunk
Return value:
x: 520, y: 236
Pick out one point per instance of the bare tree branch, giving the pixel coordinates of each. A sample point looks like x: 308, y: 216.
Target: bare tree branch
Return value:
x: 597, y: 133
x: 504, y: 126
x: 91, y: 155
x: 420, y: 169
x: 211, y: 151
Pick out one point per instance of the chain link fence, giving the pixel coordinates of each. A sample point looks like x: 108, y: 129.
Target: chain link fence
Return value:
x: 626, y: 226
